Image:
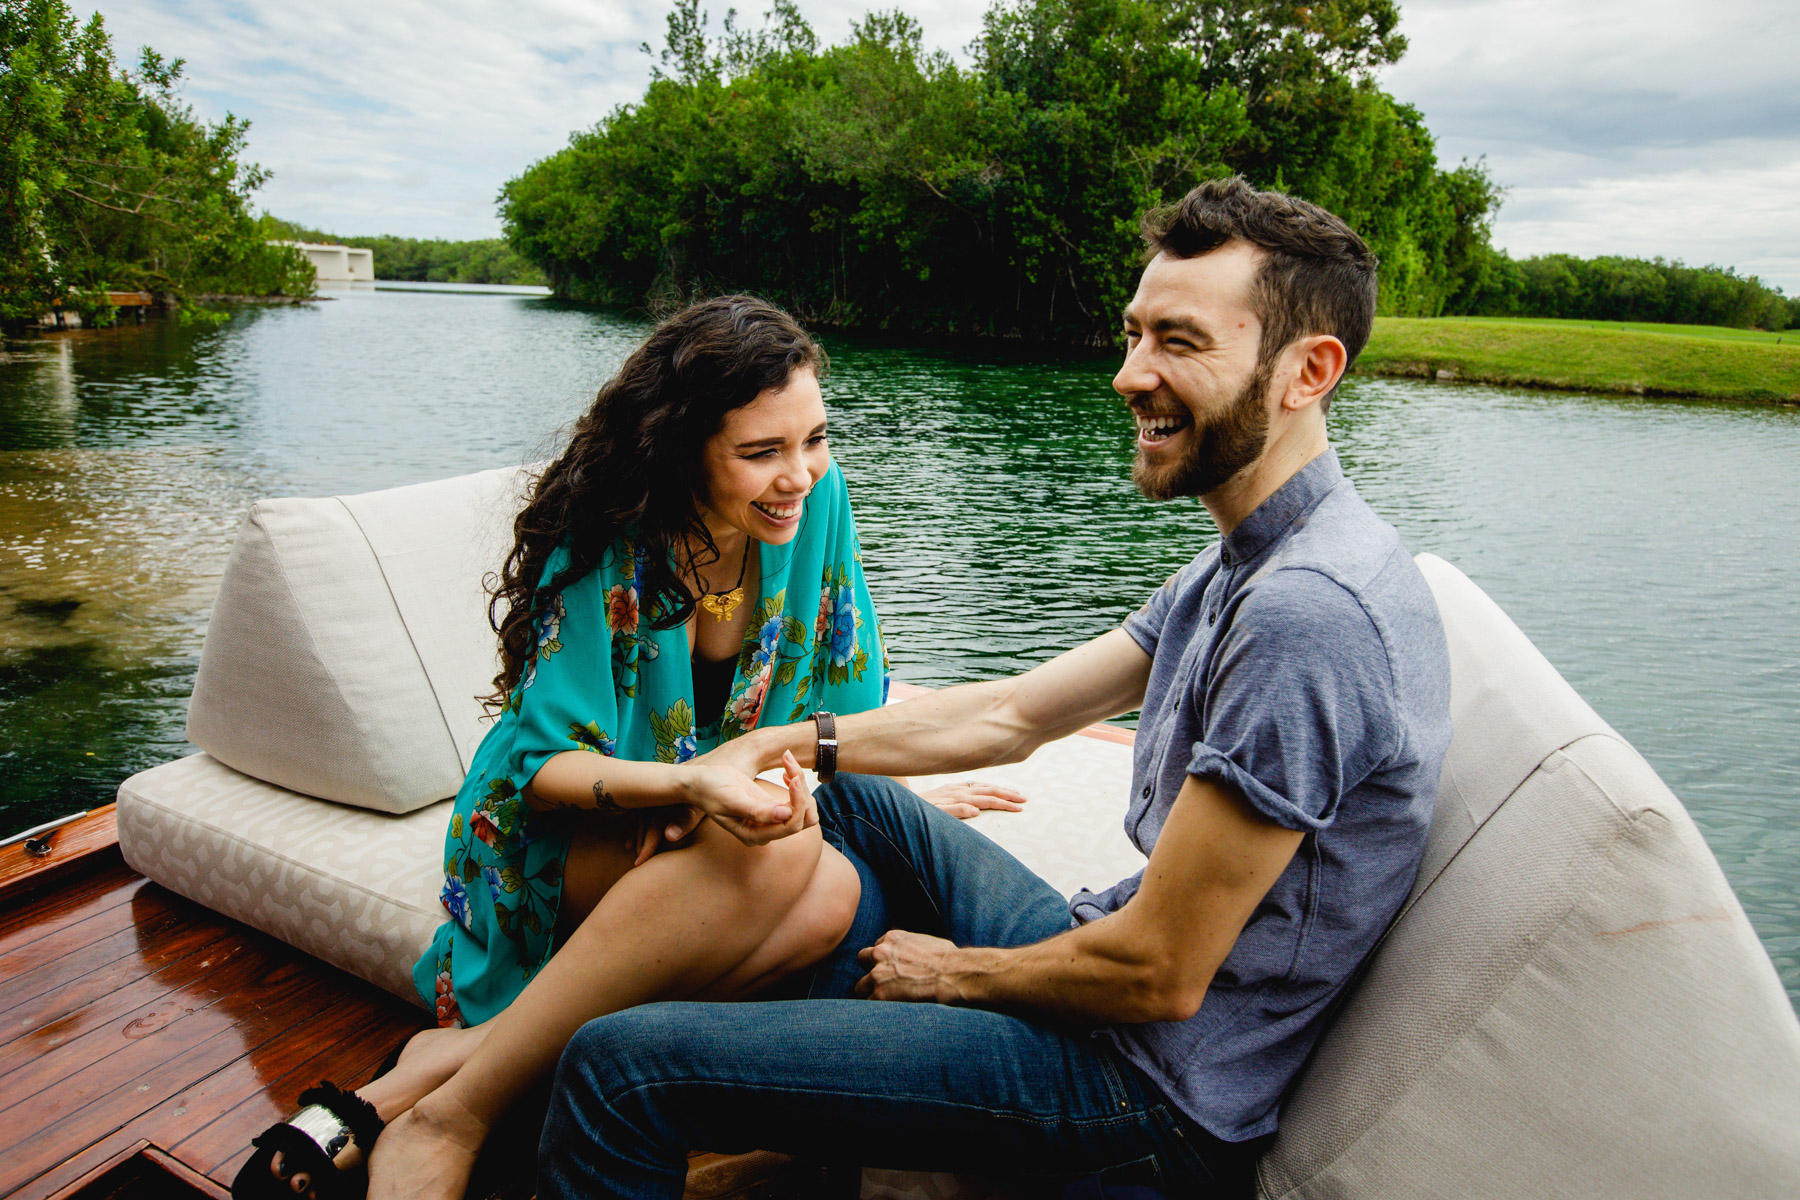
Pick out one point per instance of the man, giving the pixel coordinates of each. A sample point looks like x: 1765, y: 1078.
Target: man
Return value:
x: 1294, y: 687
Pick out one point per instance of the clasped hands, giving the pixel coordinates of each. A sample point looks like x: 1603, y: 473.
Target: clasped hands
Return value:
x: 754, y: 811
x: 722, y: 785
x: 902, y: 965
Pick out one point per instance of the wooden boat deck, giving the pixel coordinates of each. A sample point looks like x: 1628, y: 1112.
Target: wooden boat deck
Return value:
x: 144, y: 1040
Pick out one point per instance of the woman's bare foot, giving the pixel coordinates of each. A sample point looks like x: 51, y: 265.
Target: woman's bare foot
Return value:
x: 430, y: 1057
x: 428, y: 1152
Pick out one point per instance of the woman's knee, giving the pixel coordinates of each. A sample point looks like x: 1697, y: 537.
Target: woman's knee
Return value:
x: 782, y: 865
x: 825, y: 911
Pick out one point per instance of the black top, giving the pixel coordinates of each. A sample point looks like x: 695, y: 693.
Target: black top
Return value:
x: 712, y: 687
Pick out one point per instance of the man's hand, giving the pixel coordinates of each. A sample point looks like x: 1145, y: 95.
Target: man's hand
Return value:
x: 909, y: 966
x: 969, y: 797
x: 753, y: 811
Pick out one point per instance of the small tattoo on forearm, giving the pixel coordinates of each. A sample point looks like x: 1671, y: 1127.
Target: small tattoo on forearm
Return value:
x: 603, y: 799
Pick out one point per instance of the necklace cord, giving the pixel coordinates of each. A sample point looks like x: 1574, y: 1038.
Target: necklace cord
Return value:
x: 743, y: 560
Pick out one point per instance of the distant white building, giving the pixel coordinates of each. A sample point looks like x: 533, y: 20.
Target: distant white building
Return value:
x: 333, y: 263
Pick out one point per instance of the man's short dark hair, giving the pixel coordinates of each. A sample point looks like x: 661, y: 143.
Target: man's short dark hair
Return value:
x: 1317, y: 275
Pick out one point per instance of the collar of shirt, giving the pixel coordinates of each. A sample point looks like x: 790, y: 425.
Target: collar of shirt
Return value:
x: 1298, y: 495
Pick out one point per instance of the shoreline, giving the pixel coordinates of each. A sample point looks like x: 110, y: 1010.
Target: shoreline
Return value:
x: 1430, y: 372
x: 1691, y: 362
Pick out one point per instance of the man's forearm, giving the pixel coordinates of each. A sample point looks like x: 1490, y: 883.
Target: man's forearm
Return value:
x: 958, y: 729
x: 972, y: 726
x: 1100, y: 974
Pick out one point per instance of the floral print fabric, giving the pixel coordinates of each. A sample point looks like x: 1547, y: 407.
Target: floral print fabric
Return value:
x: 603, y: 681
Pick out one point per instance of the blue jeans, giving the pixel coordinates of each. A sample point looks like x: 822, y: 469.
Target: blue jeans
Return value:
x: 833, y: 1079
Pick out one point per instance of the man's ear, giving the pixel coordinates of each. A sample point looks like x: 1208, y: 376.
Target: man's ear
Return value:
x: 1322, y: 359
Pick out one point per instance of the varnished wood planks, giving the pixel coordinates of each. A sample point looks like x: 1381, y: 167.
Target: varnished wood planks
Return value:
x: 128, y: 1015
x: 144, y: 1035
x: 141, y: 1172
x: 75, y: 849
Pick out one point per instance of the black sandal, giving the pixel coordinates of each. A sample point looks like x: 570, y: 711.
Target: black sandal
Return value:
x: 328, y: 1121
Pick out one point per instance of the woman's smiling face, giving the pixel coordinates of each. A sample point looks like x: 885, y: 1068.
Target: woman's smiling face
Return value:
x: 764, y: 459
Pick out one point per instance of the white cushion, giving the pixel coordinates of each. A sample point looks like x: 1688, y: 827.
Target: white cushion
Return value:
x: 358, y: 889
x: 1572, y: 1003
x: 350, y: 639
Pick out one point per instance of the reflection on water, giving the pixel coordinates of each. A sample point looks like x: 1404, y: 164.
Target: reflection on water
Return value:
x: 1649, y: 549
x: 118, y: 549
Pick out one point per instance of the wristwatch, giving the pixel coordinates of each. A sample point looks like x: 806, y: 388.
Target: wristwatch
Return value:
x: 825, y: 754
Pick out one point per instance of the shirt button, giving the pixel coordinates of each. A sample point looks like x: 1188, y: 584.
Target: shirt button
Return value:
x: 1147, y: 791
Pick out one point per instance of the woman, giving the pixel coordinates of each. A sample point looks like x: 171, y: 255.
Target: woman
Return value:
x: 686, y: 569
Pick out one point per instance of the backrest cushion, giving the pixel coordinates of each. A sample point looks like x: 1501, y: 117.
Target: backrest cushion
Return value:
x: 350, y: 639
x: 1572, y: 1001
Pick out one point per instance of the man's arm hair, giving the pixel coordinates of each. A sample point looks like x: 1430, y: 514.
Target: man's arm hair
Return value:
x: 975, y: 725
x: 1152, y: 960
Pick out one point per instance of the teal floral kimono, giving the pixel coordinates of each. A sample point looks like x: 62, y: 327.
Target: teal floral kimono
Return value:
x: 602, y: 680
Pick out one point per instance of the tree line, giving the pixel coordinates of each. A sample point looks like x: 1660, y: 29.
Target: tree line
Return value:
x: 878, y: 185
x: 875, y: 184
x: 109, y: 182
x: 1610, y: 288
x: 428, y: 260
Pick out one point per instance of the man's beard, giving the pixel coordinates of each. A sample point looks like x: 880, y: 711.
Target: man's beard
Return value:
x: 1226, y: 444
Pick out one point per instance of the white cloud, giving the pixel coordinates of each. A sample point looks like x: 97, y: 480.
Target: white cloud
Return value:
x: 1642, y: 127
x: 398, y: 117
x: 406, y: 116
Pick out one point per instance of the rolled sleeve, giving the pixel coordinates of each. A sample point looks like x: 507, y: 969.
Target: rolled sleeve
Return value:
x: 1299, y: 704
x: 1211, y: 765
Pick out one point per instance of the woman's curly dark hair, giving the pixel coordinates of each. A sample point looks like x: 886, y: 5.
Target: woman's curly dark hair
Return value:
x: 634, y: 460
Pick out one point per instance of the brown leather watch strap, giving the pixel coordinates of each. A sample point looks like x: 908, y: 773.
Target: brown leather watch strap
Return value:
x: 825, y: 754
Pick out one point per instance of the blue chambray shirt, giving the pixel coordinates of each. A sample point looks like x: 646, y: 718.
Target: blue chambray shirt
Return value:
x: 1301, y: 662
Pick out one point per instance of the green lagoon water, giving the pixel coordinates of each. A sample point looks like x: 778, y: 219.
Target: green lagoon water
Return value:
x: 1650, y: 549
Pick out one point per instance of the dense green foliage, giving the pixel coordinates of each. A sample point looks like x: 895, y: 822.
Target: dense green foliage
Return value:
x: 107, y: 181
x: 1590, y: 356
x: 1627, y: 289
x: 874, y: 184
x: 428, y: 260
x: 433, y: 260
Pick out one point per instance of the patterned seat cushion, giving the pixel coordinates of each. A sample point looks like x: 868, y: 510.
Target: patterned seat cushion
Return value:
x: 359, y: 889
x: 356, y: 888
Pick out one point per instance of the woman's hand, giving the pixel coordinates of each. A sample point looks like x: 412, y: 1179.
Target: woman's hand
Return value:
x: 963, y: 800
x: 754, y: 811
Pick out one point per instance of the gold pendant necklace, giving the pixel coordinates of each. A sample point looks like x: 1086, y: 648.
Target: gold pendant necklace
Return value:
x: 722, y: 604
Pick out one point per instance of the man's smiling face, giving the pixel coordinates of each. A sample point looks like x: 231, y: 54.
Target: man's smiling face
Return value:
x: 1192, y: 375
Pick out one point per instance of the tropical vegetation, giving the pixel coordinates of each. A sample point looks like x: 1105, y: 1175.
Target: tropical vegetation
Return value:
x: 1626, y: 289
x: 108, y: 182
x: 879, y: 185
x: 429, y: 260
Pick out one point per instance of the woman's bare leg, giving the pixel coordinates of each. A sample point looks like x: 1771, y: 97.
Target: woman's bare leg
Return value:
x: 812, y: 929
x: 679, y: 925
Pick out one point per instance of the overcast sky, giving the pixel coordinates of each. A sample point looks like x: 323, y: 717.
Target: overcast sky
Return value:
x: 1637, y: 127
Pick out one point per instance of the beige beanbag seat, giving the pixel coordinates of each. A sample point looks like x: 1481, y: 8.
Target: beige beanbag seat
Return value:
x: 1572, y: 1002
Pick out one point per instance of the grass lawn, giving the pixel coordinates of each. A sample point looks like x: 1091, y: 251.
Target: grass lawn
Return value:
x: 1598, y: 356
